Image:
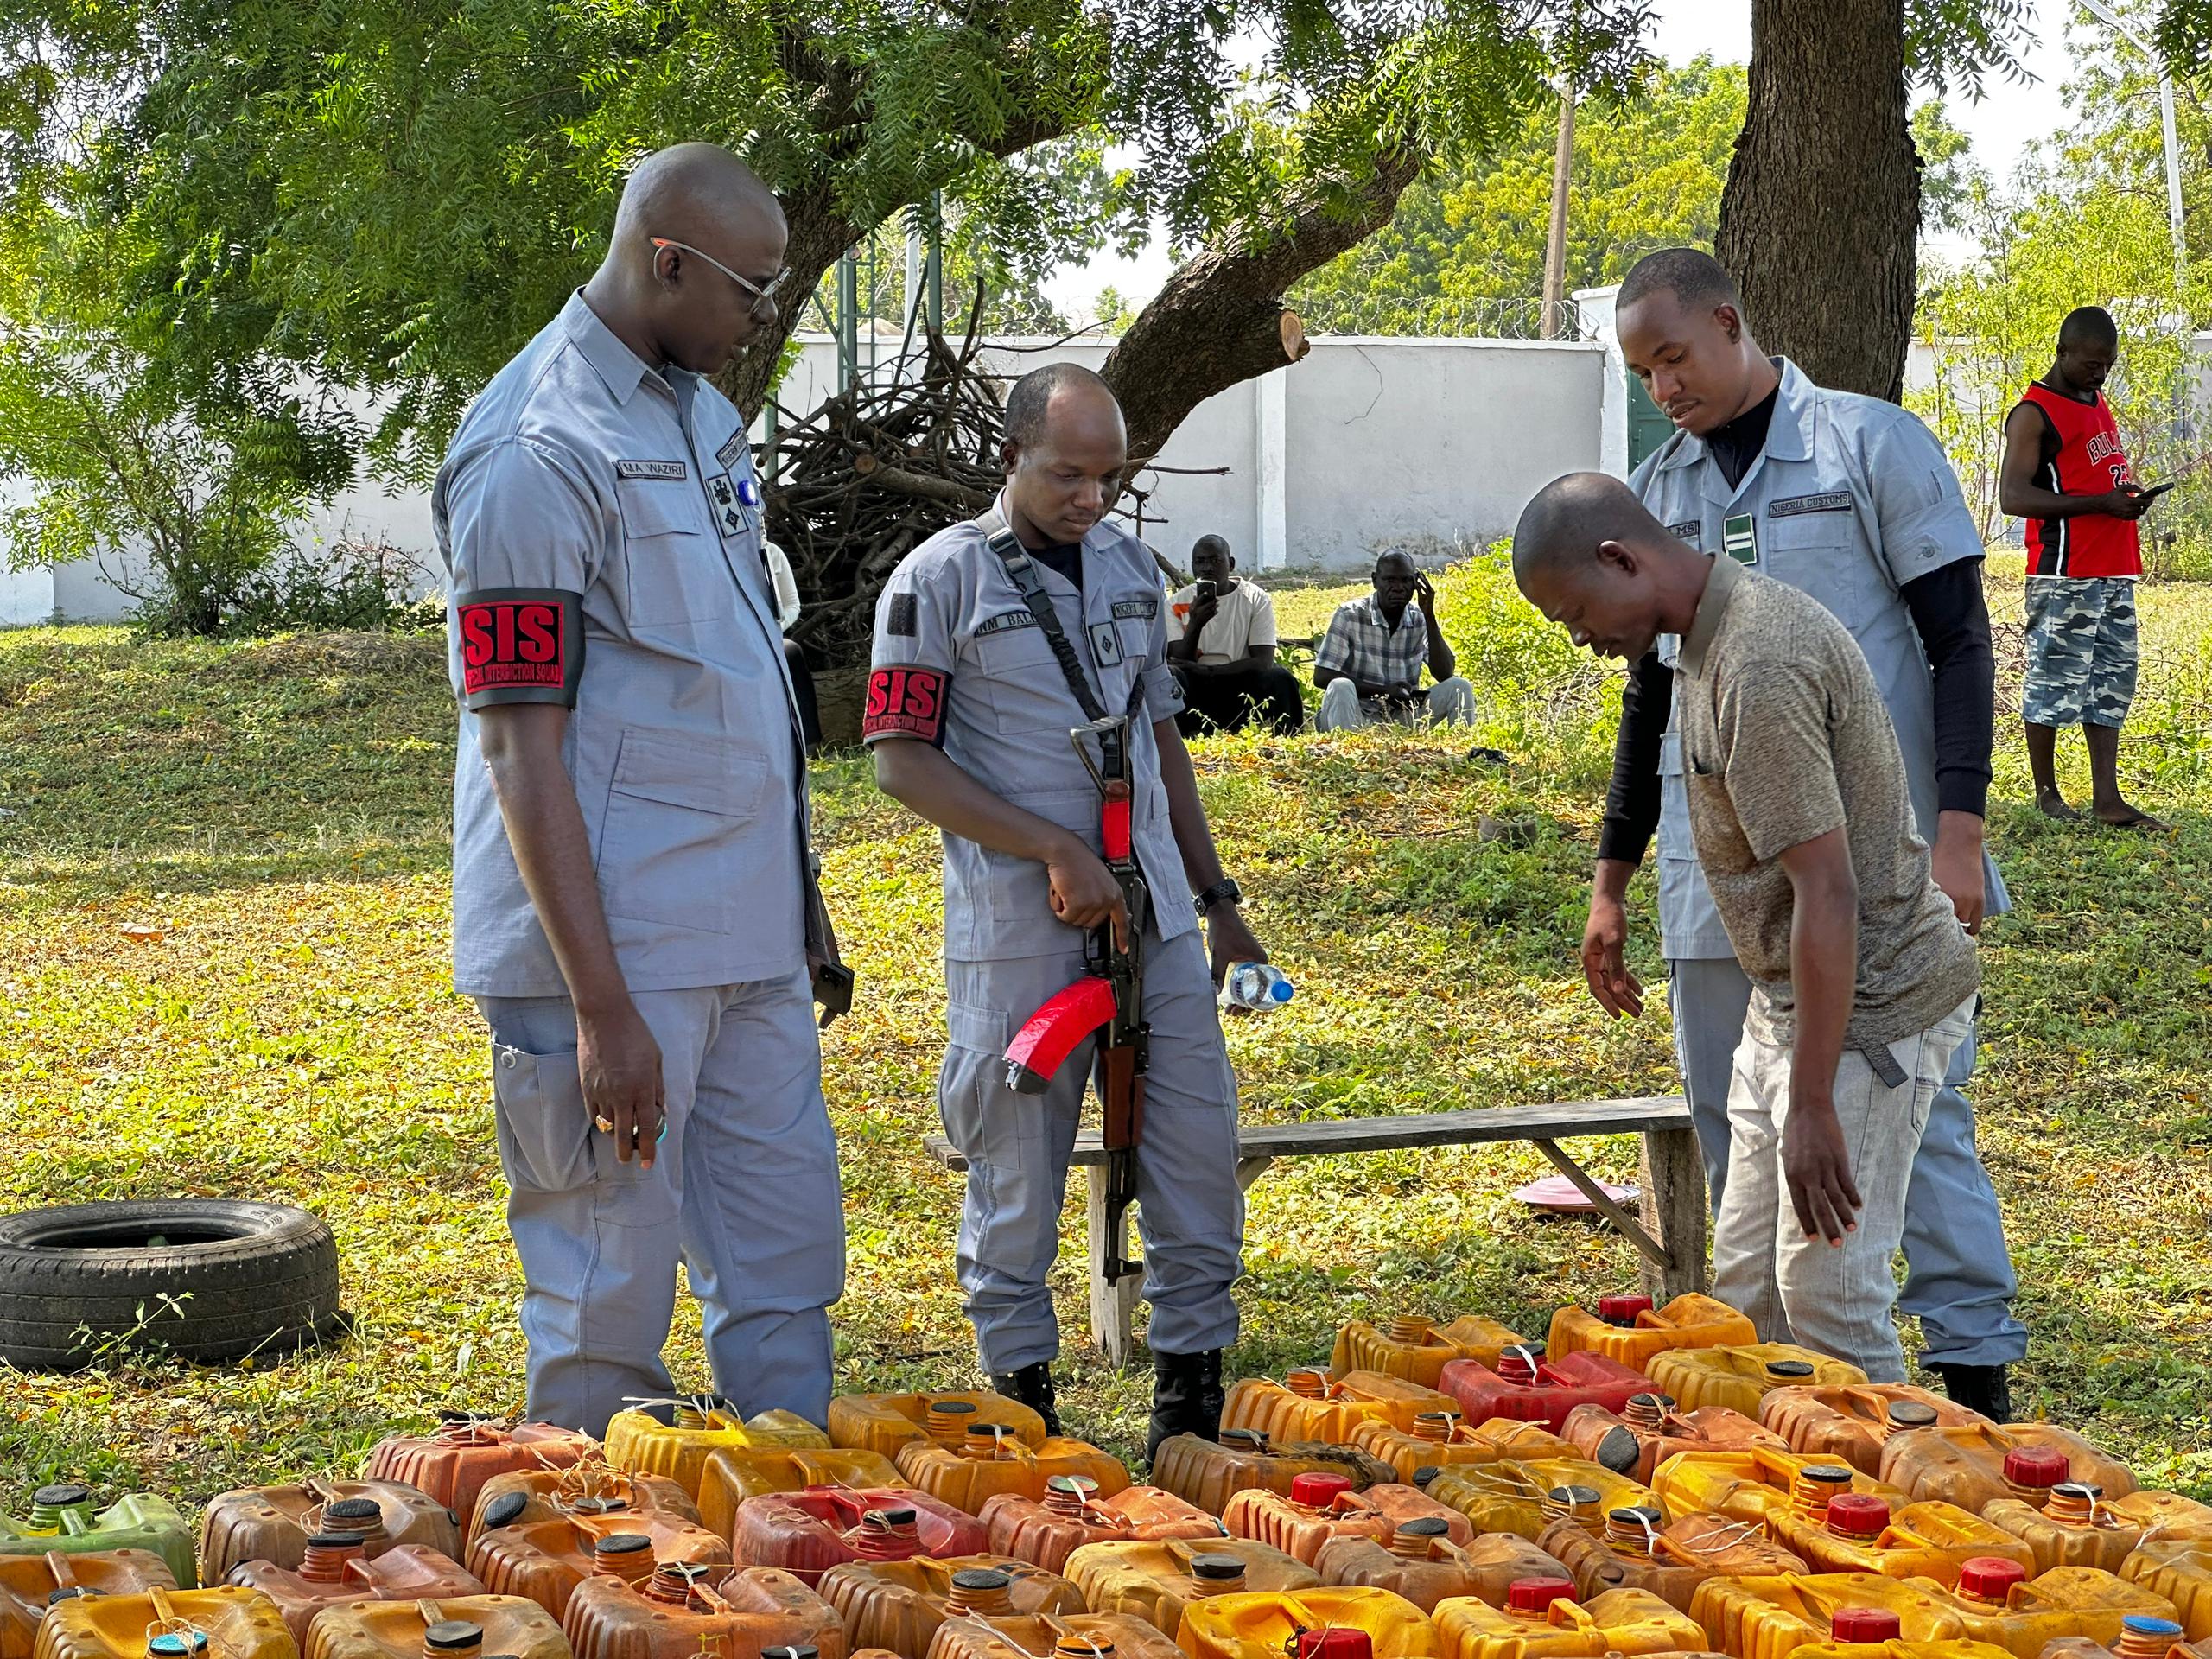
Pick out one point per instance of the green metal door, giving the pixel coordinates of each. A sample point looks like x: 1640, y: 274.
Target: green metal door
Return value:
x: 1648, y: 426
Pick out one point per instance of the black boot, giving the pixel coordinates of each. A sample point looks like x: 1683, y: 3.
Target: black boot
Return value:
x: 1032, y: 1386
x: 1186, y: 1397
x: 1979, y: 1388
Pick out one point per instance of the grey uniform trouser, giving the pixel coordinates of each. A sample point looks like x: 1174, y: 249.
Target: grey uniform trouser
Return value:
x: 1958, y: 1281
x: 1017, y: 1146
x: 743, y: 1191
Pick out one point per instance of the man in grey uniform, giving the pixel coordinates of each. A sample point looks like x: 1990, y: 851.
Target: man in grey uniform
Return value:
x: 633, y: 910
x: 1851, y: 500
x: 969, y: 710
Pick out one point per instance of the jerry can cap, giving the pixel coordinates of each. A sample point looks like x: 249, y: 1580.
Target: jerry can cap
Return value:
x: 1426, y: 1473
x: 352, y: 1509
x: 1864, y: 1624
x: 1858, y: 1514
x: 980, y: 1577
x: 1792, y: 1368
x: 1618, y: 1449
x: 1427, y: 1526
x: 1316, y: 1488
x: 959, y: 1407
x: 622, y: 1543
x: 336, y: 1541
x: 1828, y: 1474
x: 1911, y: 1414
x: 810, y: 1651
x: 1334, y: 1641
x: 1623, y: 1310
x: 448, y: 1633
x: 1216, y: 1567
x: 2151, y: 1624
x: 1244, y: 1439
x: 1577, y: 1496
x: 897, y: 1518
x: 2083, y: 1491
x: 1990, y: 1576
x: 1537, y: 1595
x: 1075, y: 1645
x: 504, y: 1510
x: 1637, y: 1515
x: 2034, y: 1465
x: 1653, y: 1399
x: 1074, y: 1485
x: 176, y: 1644
x: 66, y: 1494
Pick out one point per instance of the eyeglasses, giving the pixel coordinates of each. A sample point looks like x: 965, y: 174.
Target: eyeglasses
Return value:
x: 764, y: 295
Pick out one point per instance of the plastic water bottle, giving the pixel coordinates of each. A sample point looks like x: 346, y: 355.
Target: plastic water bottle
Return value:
x: 1257, y: 986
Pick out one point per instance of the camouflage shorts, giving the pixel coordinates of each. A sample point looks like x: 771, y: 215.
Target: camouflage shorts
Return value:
x: 2080, y: 667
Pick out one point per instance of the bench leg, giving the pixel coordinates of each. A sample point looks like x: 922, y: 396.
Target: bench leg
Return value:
x: 1113, y: 1307
x: 1673, y: 1179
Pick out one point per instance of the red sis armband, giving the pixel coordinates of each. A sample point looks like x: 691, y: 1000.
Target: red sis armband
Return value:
x: 520, y: 645
x: 905, y: 702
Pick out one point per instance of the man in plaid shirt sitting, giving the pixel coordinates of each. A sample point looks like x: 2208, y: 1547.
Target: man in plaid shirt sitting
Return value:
x: 1370, y: 663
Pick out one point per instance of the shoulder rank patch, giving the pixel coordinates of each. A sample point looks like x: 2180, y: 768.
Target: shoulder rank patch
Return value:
x: 904, y: 702
x: 899, y: 618
x: 1147, y: 607
x: 519, y: 644
x: 1004, y: 620
x: 674, y: 472
x: 1688, y: 531
x: 1832, y: 501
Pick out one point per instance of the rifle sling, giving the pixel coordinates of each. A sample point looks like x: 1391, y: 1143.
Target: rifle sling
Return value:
x: 1021, y: 570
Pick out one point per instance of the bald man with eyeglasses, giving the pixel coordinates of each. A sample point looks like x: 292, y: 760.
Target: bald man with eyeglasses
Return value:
x: 634, y: 910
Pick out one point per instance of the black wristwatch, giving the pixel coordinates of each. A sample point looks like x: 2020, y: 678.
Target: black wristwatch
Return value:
x: 1224, y: 892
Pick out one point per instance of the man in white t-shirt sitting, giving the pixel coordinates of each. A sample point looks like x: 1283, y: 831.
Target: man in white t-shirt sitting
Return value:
x: 1221, y: 648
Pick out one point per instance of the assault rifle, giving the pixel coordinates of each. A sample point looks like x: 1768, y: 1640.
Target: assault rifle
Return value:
x: 1109, y: 998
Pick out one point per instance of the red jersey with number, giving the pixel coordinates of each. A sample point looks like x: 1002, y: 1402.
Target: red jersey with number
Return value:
x: 2082, y: 455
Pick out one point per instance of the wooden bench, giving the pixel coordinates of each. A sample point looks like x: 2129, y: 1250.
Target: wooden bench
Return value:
x: 1670, y: 1234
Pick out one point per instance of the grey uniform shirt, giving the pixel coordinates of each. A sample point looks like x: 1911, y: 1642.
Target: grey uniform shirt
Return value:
x: 1784, y: 740
x: 581, y: 470
x: 960, y: 661
x: 1852, y: 498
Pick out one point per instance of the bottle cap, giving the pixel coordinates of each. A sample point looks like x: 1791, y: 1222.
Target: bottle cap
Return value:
x: 1243, y: 1440
x: 1579, y: 1498
x: 176, y: 1644
x: 1864, y: 1624
x: 336, y: 1541
x: 954, y: 1408
x: 807, y: 1651
x: 1827, y: 1474
x: 1618, y: 1450
x: 897, y: 1518
x: 1788, y: 1370
x: 2034, y: 1465
x: 1073, y: 1485
x: 1911, y: 1414
x: 2081, y: 1491
x: 1653, y: 1399
x: 1427, y: 1526
x: 68, y: 1593
x: 980, y: 1577
x: 1216, y: 1567
x: 1621, y: 1310
x: 1637, y: 1514
x: 449, y: 1633
x: 66, y: 1496
x: 1990, y: 1576
x: 1537, y: 1595
x: 622, y: 1543
x: 1858, y: 1514
x: 1315, y: 1490
x: 2149, y: 1625
x: 361, y: 1508
x: 1426, y: 1473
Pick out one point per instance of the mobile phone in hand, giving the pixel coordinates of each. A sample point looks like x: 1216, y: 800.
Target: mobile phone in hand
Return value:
x: 1206, y: 591
x: 2151, y: 493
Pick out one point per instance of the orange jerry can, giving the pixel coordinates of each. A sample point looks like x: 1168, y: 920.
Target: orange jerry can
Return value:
x: 230, y: 1622
x: 31, y: 1583
x: 1525, y: 1497
x: 1417, y: 1349
x: 681, y: 1610
x: 734, y: 1474
x: 1156, y: 1581
x: 1210, y: 1473
x: 1852, y: 1424
x: 704, y: 1424
x: 271, y: 1523
x: 1070, y: 1514
x: 1740, y: 1377
x: 1999, y: 1603
x: 884, y: 1422
x: 808, y: 1533
x: 587, y: 1488
x: 1437, y: 1439
x: 1420, y: 1562
x: 2180, y: 1569
x: 1859, y: 1534
x: 1772, y: 1617
x: 1322, y: 1506
x: 1050, y: 1636
x: 899, y: 1605
x: 991, y: 1460
x: 1542, y: 1620
x: 1974, y: 1465
x: 336, y: 1571
x: 1630, y: 1330
x: 1640, y: 1549
x: 453, y: 1464
x: 2076, y: 1527
x: 1307, y: 1405
x: 547, y: 1560
x: 1756, y: 1484
x: 1649, y: 1430
x: 461, y: 1627
x: 1260, y: 1624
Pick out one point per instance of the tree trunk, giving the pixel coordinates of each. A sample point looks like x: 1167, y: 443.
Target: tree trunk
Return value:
x: 1820, y: 221
x: 1219, y: 319
x: 820, y: 232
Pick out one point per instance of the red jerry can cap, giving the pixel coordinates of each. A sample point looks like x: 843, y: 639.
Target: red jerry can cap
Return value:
x: 1537, y: 1595
x: 1857, y: 1515
x: 1990, y: 1576
x: 1864, y: 1624
x: 2036, y: 1466
x: 1621, y: 1310
x: 1336, y: 1642
x: 1318, y: 1491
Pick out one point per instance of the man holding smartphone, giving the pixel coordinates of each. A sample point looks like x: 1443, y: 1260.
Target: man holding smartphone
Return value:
x: 2066, y: 473
x: 1221, y: 649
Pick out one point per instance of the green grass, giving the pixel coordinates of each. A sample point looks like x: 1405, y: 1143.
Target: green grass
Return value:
x: 279, y: 810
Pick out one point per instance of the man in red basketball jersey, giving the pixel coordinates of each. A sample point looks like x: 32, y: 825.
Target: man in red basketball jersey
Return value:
x: 2065, y: 472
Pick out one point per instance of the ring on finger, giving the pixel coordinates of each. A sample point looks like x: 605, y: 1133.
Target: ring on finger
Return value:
x: 604, y: 1125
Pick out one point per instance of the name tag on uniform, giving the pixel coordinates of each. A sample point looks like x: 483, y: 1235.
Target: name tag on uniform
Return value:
x: 1688, y: 531
x: 1832, y: 501
x: 1004, y: 620
x: 1147, y: 607
x: 1106, y: 641
x: 672, y: 472
x: 727, y: 455
x: 1739, y: 537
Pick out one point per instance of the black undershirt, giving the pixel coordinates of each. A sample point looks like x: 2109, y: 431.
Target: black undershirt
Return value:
x: 1952, y: 620
x: 1064, y: 557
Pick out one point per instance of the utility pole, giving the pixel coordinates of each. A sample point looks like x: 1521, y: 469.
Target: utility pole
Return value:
x: 1555, y: 245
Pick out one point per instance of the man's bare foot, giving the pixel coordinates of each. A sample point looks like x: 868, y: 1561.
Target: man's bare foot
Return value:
x: 2052, y: 804
x: 2118, y: 814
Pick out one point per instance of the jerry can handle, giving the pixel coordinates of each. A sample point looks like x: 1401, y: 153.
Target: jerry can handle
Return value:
x: 428, y: 1611
x: 65, y: 1574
